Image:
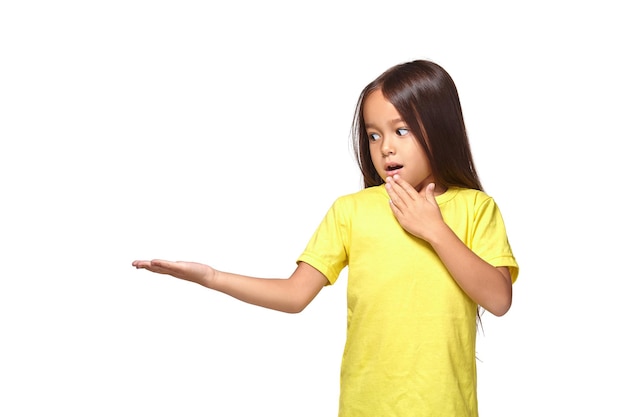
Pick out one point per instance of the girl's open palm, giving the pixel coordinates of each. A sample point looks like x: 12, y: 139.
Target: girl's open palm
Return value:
x: 189, y: 271
x: 417, y: 212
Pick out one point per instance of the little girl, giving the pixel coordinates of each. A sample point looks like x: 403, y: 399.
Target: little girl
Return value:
x: 425, y: 248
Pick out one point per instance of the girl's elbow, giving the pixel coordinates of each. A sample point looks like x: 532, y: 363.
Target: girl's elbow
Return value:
x: 294, y: 309
x: 502, y: 307
x: 501, y: 310
x: 296, y: 306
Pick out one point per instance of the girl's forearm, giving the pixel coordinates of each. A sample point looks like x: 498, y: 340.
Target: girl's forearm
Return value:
x: 488, y: 286
x: 273, y: 293
x: 290, y: 295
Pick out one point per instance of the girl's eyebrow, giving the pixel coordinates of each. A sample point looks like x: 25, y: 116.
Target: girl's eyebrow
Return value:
x: 392, y: 121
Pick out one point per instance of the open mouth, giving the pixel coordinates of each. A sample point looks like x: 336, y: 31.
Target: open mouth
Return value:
x: 393, y: 168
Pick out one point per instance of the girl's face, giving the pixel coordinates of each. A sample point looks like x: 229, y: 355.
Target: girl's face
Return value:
x: 393, y: 147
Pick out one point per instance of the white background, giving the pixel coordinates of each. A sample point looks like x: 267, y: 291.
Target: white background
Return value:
x: 220, y: 134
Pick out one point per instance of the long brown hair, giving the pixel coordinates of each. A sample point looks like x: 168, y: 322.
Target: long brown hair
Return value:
x: 427, y: 99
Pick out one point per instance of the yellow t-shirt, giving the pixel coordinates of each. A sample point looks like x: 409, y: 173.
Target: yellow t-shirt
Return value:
x: 410, y: 343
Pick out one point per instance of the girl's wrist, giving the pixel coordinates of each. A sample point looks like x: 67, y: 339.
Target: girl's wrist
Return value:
x: 209, y: 278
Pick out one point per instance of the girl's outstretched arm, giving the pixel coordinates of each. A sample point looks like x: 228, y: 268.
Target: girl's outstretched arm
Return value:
x: 290, y: 295
x: 418, y: 213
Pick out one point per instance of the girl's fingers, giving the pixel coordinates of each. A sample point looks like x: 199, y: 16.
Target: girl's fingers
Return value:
x: 430, y: 193
x: 394, y: 198
x: 399, y: 190
x: 405, y: 187
x: 141, y: 264
x: 157, y: 265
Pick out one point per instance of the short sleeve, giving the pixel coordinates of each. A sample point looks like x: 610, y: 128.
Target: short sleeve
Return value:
x: 490, y: 240
x: 327, y: 250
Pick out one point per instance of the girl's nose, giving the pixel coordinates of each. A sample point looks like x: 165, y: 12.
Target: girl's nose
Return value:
x: 387, y: 147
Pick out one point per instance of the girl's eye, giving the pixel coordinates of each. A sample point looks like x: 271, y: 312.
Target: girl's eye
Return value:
x: 374, y: 137
x: 402, y: 131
